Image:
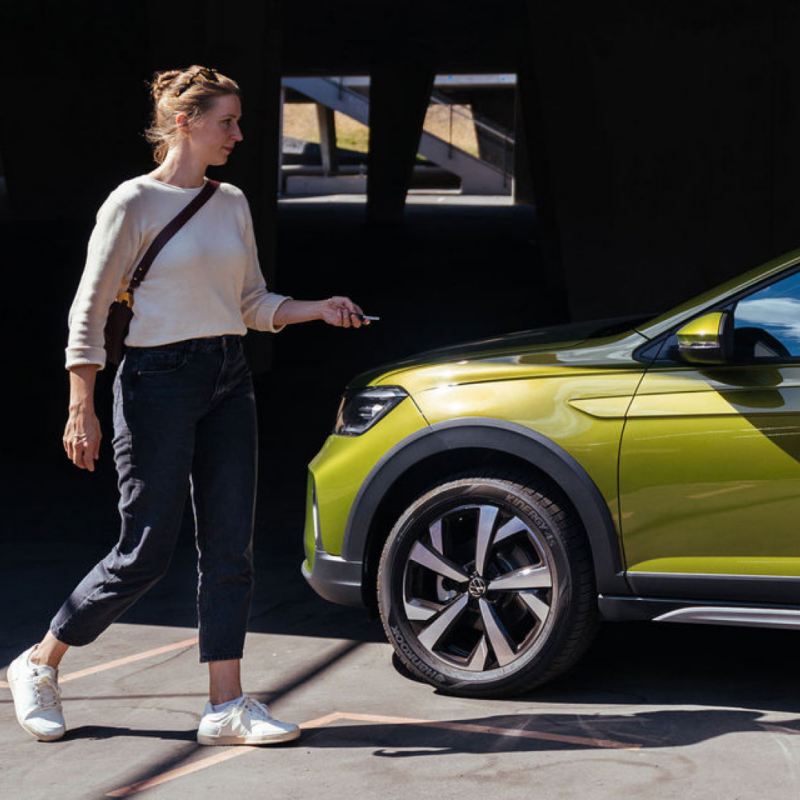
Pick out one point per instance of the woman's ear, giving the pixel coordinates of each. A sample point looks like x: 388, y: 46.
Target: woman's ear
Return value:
x: 182, y: 121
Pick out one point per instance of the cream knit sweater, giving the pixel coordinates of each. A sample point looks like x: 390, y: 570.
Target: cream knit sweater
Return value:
x: 206, y: 281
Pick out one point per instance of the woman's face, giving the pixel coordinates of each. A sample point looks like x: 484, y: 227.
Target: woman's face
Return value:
x: 214, y: 136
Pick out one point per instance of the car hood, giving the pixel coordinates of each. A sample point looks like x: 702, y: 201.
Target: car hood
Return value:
x: 593, y: 344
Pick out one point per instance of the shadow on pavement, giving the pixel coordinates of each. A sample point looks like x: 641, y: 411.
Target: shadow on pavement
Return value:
x: 522, y: 732
x: 661, y: 664
x: 93, y: 732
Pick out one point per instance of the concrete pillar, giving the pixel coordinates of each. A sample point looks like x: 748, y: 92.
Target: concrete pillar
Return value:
x: 399, y: 95
x: 243, y: 41
x: 523, y: 183
x: 327, y: 139
x: 281, y: 103
x: 532, y: 164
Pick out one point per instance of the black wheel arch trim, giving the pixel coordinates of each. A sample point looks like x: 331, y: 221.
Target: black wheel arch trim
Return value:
x: 508, y: 437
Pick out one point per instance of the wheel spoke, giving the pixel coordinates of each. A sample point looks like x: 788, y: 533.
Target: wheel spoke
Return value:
x: 480, y: 654
x: 418, y: 611
x: 439, y: 564
x: 436, y: 536
x: 512, y: 527
x: 538, y: 607
x: 487, y: 516
x: 431, y: 635
x: 526, y: 578
x: 496, y: 633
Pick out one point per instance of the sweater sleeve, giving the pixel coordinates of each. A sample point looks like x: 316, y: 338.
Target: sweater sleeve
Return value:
x: 258, y: 304
x: 113, y: 247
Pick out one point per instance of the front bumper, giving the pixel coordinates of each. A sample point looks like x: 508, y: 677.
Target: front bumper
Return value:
x: 330, y: 576
x: 335, y: 478
x: 335, y: 579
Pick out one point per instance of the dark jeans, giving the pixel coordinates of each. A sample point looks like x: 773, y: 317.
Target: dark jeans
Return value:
x: 184, y: 415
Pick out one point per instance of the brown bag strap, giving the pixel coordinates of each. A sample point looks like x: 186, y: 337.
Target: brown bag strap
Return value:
x: 169, y: 231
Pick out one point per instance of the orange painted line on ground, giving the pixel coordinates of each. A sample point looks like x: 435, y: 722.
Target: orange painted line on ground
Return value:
x: 209, y: 761
x: 119, y: 662
x: 583, y: 741
x: 320, y: 722
x: 170, y: 775
x: 496, y: 731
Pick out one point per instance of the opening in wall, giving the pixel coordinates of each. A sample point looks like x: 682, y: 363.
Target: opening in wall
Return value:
x: 466, y: 145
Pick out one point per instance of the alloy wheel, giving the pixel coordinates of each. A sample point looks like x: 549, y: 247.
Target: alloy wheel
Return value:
x: 479, y: 587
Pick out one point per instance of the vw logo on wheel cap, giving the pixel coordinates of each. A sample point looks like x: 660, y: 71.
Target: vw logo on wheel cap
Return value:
x: 477, y: 587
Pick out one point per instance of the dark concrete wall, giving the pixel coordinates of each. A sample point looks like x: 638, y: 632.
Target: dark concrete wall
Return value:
x: 73, y: 104
x: 670, y: 133
x: 659, y: 137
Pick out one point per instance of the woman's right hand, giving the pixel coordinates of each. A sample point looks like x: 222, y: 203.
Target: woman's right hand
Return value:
x: 82, y: 438
x: 82, y: 433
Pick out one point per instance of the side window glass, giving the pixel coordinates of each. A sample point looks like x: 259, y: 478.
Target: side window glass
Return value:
x: 767, y: 323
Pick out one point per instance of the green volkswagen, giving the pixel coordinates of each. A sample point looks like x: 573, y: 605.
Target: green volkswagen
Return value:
x: 494, y: 501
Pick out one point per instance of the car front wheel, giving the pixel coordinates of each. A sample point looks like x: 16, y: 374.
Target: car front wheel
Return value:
x: 485, y: 586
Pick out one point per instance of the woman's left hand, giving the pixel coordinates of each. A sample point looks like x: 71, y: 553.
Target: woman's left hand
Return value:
x: 341, y: 312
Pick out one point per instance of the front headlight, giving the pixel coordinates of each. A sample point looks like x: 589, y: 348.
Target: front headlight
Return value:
x: 360, y: 410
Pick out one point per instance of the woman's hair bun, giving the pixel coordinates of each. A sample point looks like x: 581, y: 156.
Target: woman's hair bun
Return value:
x: 162, y: 81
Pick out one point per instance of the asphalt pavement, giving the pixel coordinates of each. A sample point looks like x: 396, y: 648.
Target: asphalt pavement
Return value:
x: 651, y: 711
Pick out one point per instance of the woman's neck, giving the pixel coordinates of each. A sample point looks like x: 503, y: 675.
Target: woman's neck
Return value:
x: 178, y: 169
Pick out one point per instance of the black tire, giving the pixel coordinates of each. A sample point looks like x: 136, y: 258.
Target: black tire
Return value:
x: 486, y: 586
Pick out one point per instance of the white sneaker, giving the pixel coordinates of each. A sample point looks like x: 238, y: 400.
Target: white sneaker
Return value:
x: 244, y: 722
x: 37, y: 698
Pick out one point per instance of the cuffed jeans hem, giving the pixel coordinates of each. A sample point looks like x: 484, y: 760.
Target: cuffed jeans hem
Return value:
x: 204, y: 659
x: 68, y: 640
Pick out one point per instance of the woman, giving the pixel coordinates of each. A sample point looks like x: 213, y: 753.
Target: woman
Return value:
x: 184, y: 412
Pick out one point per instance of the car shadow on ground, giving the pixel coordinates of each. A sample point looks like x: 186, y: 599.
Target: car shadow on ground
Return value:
x: 535, y: 732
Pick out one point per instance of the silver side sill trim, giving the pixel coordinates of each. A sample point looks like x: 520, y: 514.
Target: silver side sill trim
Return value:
x: 706, y: 575
x: 721, y: 615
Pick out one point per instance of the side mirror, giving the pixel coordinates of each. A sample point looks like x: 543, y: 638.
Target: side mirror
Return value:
x: 707, y: 339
